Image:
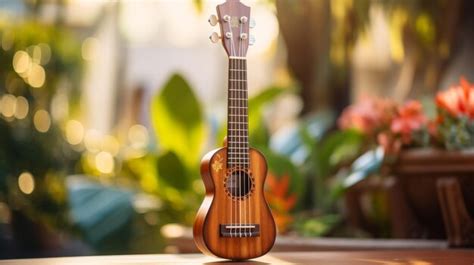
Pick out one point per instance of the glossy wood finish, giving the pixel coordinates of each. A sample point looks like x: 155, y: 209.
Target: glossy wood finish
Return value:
x: 234, y: 46
x: 215, y: 210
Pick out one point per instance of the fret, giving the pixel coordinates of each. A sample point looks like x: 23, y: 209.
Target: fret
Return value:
x: 237, y: 107
x: 239, y: 90
x: 237, y: 125
x: 237, y: 76
x: 238, y: 150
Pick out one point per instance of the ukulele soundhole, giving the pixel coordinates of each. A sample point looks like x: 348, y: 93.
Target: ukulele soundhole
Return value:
x: 239, y: 184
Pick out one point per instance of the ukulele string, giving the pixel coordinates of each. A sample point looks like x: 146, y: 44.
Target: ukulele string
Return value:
x: 239, y: 130
x: 232, y: 142
x: 248, y: 179
x: 242, y: 126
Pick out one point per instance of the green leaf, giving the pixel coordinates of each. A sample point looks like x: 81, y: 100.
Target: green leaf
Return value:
x: 256, y: 105
x: 318, y: 226
x: 172, y: 171
x: 258, y: 133
x: 177, y: 119
x: 340, y: 146
x: 280, y: 165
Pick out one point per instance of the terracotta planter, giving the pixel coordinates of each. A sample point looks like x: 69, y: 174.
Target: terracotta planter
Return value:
x: 435, y: 193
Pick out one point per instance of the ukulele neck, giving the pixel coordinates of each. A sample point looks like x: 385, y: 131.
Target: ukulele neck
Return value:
x: 237, y: 114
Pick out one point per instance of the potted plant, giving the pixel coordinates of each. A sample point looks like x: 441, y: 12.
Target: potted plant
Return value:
x: 427, y: 163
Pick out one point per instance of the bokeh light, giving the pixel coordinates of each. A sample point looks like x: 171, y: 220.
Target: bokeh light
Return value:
x: 74, y: 132
x: 26, y: 183
x: 21, y: 62
x: 138, y: 136
x: 45, y: 53
x: 42, y: 121
x: 104, y: 162
x: 8, y: 105
x: 36, y: 75
x: 92, y: 140
x: 22, y: 108
x: 172, y: 230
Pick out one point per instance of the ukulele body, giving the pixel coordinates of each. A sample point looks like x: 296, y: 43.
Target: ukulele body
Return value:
x: 234, y: 227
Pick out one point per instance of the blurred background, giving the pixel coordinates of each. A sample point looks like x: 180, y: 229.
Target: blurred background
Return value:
x: 108, y: 106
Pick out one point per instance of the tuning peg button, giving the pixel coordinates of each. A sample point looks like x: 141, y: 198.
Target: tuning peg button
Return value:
x: 213, y: 20
x: 251, y: 40
x: 214, y: 37
x: 252, y: 23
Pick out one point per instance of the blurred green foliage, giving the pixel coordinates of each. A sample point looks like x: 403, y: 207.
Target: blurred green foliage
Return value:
x: 24, y: 148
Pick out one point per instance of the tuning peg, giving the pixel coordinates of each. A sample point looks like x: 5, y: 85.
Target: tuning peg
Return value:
x: 213, y: 20
x: 251, y: 40
x: 214, y: 37
x: 252, y: 23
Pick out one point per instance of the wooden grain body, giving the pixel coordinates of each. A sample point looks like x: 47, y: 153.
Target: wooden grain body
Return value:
x: 217, y: 206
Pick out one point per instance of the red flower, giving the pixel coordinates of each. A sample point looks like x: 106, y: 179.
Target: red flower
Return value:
x: 410, y: 118
x: 389, y: 143
x: 457, y: 100
x: 368, y: 116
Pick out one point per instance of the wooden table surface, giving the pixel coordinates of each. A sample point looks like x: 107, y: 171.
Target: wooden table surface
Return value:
x: 415, y: 257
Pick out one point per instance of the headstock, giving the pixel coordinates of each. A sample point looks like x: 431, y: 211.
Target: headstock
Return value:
x: 234, y: 21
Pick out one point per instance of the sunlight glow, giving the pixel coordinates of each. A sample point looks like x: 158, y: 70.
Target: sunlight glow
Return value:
x: 110, y: 144
x: 172, y: 230
x: 90, y: 49
x: 92, y: 140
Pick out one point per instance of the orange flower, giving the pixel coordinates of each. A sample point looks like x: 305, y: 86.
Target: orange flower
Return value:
x: 410, y: 118
x: 280, y: 201
x: 457, y: 100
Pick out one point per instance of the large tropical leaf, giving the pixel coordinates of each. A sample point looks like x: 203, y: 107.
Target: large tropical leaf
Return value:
x: 258, y: 133
x: 177, y: 119
x: 172, y: 171
x: 280, y: 165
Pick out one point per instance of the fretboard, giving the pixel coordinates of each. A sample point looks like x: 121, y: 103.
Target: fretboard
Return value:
x: 237, y: 116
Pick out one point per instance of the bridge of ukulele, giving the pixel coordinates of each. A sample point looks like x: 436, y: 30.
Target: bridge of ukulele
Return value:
x: 239, y: 230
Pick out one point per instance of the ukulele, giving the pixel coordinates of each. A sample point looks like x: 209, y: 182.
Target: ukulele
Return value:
x: 234, y: 221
